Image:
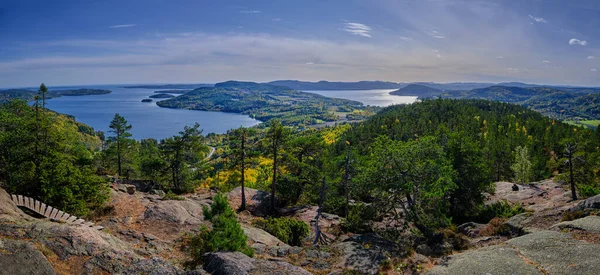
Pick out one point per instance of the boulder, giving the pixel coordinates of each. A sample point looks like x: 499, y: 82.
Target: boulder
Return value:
x: 588, y: 224
x: 517, y: 223
x: 236, y: 263
x: 257, y: 201
x: 228, y: 263
x: 9, y: 212
x: 181, y: 212
x: 19, y: 257
x: 258, y: 235
x: 589, y: 203
x: 130, y: 189
x: 364, y: 253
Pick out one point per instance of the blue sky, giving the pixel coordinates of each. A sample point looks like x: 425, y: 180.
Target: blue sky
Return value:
x: 107, y: 42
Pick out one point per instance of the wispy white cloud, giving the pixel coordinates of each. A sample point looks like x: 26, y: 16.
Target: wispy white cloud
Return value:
x: 575, y: 41
x: 250, y: 11
x: 310, y: 63
x: 406, y: 38
x: 594, y: 70
x: 500, y: 57
x: 122, y: 26
x: 357, y: 29
x: 436, y: 34
x: 538, y: 19
x: 591, y: 57
x: 546, y: 61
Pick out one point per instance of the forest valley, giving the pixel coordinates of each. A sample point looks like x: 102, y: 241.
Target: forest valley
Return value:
x: 409, y: 172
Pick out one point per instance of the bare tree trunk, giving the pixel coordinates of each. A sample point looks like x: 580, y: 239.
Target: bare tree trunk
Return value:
x: 243, y: 206
x: 274, y: 181
x: 346, y: 179
x: 570, y: 150
x: 318, y: 237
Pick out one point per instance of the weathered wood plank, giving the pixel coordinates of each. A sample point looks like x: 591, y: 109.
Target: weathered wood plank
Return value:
x: 71, y: 219
x: 53, y: 213
x: 98, y: 227
x: 57, y: 215
x: 49, y: 210
x: 64, y: 217
x: 19, y: 200
x: 79, y: 221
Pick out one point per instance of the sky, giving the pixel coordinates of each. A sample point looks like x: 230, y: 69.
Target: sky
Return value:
x: 84, y: 42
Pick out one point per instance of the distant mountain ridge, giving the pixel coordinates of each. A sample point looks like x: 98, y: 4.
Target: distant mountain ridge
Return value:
x: 418, y: 90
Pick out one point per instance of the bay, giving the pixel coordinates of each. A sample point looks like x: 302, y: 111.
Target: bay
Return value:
x: 380, y: 98
x: 147, y: 119
x: 150, y: 121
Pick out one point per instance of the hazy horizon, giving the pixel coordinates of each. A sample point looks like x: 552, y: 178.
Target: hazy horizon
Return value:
x: 73, y: 43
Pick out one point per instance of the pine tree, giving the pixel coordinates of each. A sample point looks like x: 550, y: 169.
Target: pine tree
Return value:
x: 121, y: 137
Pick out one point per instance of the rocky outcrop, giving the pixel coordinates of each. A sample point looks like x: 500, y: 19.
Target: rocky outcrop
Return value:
x: 257, y: 201
x: 541, y: 252
x: 588, y: 224
x: 9, y: 212
x: 181, y: 212
x: 236, y: 263
x: 589, y: 203
x: 19, y: 257
x: 364, y: 253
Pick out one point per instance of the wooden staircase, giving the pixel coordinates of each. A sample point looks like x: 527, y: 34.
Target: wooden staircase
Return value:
x: 50, y: 212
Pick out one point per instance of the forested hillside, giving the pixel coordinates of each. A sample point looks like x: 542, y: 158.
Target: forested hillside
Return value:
x: 564, y: 103
x: 265, y: 102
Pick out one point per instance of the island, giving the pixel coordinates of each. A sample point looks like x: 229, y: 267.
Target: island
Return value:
x: 28, y: 95
x: 265, y: 102
x: 161, y: 96
x: 146, y: 100
x: 172, y: 91
x: 169, y: 86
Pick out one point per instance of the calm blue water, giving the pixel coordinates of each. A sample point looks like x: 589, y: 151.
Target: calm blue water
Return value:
x: 150, y: 121
x: 369, y: 97
x: 147, y: 119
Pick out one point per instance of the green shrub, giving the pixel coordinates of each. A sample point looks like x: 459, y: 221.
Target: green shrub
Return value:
x: 172, y: 196
x: 587, y: 191
x: 288, y: 230
x: 358, y: 218
x: 226, y: 233
x: 499, y: 209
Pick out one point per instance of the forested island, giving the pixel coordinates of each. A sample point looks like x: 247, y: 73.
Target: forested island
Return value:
x: 161, y: 95
x: 28, y: 95
x: 265, y: 102
x: 169, y: 86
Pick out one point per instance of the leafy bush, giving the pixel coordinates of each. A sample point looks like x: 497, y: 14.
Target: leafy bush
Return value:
x: 226, y: 233
x: 358, y: 217
x: 171, y: 196
x: 288, y: 230
x: 499, y: 209
x: 587, y: 191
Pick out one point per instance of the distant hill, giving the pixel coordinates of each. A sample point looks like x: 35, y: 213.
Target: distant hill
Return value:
x: 326, y: 85
x: 169, y: 86
x: 29, y: 95
x: 421, y: 91
x: 455, y: 86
